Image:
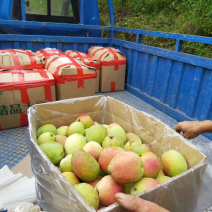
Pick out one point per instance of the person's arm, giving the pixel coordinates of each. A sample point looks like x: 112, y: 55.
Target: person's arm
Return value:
x: 192, y: 129
x: 137, y: 204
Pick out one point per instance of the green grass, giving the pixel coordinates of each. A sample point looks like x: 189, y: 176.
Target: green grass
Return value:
x: 192, y: 17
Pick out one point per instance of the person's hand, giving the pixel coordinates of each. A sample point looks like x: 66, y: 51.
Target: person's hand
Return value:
x: 136, y: 204
x: 190, y: 129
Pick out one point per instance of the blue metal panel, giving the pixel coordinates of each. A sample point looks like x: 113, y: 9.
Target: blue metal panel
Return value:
x: 199, y: 39
x: 176, y: 83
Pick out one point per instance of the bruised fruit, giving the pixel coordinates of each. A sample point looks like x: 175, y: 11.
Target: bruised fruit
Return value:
x: 54, y: 151
x: 107, y: 188
x: 142, y: 185
x: 89, y: 193
x: 61, y: 139
x: 113, y: 141
x: 46, y: 137
x: 75, y: 127
x: 126, y: 167
x: 74, y: 142
x: 65, y: 164
x: 85, y: 166
x: 173, y: 163
x: 71, y: 178
x: 132, y: 137
x: 162, y: 178
x: 93, y: 148
x: 129, y: 146
x: 47, y: 128
x: 151, y: 165
x: 96, y: 133
x: 62, y: 130
x: 143, y: 148
x: 107, y: 155
x: 118, y: 131
x: 85, y: 120
x: 93, y: 183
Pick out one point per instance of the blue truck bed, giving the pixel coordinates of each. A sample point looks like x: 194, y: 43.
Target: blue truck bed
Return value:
x: 170, y: 85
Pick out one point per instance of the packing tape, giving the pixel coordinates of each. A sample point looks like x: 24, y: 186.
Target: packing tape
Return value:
x: 51, y: 52
x: 80, y: 77
x: 116, y: 62
x: 113, y: 86
x: 82, y: 58
x: 17, y: 65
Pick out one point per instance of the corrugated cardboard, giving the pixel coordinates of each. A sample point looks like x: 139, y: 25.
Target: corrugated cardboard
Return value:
x: 89, y: 61
x: 70, y: 84
x: 179, y: 194
x: 24, y: 167
x: 48, y: 52
x: 17, y: 58
x: 19, y: 90
x: 113, y: 68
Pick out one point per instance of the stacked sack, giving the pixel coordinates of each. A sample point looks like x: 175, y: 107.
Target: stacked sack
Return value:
x: 73, y: 78
x: 23, y: 82
x: 113, y: 68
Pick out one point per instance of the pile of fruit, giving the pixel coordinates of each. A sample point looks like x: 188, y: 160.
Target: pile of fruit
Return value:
x: 102, y: 160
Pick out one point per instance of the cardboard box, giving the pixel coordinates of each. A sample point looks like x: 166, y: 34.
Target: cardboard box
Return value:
x: 89, y: 61
x: 48, y: 52
x: 19, y: 89
x: 19, y: 59
x: 113, y: 68
x: 179, y: 194
x: 73, y: 79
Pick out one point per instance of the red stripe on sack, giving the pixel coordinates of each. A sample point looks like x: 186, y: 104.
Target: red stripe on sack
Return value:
x: 113, y: 86
x: 0, y: 126
x: 53, y: 60
x: 90, y: 49
x: 23, y: 120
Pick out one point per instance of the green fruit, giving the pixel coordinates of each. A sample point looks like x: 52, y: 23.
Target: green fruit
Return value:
x: 142, y: 185
x: 89, y: 193
x: 65, y: 164
x: 113, y: 141
x: 62, y: 130
x: 76, y: 127
x: 71, y: 178
x: 173, y: 163
x: 85, y: 166
x: 131, y: 144
x: 74, y: 142
x: 96, y: 133
x: 46, y: 137
x: 118, y: 131
x: 127, y: 188
x: 140, y: 150
x: 85, y: 120
x: 47, y: 128
x: 161, y: 179
x: 132, y: 137
x: 54, y: 151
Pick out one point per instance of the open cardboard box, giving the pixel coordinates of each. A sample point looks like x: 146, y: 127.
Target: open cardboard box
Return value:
x: 54, y: 193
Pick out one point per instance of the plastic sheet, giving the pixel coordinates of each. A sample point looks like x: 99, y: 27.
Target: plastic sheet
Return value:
x: 189, y: 192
